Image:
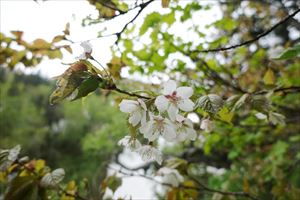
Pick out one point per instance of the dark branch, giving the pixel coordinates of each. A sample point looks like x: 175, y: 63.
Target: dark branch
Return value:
x: 285, y: 90
x: 247, y: 42
x: 215, y: 76
x: 118, y: 34
x: 130, y: 94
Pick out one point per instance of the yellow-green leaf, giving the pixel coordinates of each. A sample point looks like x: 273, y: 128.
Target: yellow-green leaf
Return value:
x: 225, y: 115
x: 269, y: 77
x: 58, y: 38
x: 40, y: 44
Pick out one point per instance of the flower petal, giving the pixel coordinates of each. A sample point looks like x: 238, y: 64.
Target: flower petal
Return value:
x: 128, y: 106
x: 147, y: 128
x: 135, y: 118
x: 191, y: 134
x: 186, y: 105
x: 172, y: 112
x: 152, y: 136
x: 81, y: 57
x: 142, y: 104
x: 144, y: 117
x: 169, y: 87
x: 86, y: 45
x: 184, y: 92
x: 161, y: 102
x: 169, y: 133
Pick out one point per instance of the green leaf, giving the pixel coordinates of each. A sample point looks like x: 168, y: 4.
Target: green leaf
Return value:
x: 25, y: 188
x: 289, y: 53
x: 150, y: 21
x: 87, y: 86
x: 55, y: 54
x: 279, y: 148
x: 210, y: 103
x: 225, y: 114
x: 169, y: 18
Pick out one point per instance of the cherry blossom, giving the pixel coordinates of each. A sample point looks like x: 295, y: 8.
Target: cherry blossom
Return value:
x: 184, y: 129
x: 135, y: 109
x: 149, y: 153
x: 173, y: 99
x: 156, y: 126
x: 131, y: 143
x: 87, y: 48
x: 207, y: 125
x: 170, y: 176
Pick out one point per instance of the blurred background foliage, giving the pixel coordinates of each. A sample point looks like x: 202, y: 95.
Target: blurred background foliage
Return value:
x: 80, y: 136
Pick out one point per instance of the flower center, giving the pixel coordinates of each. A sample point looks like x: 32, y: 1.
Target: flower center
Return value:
x: 173, y: 98
x: 159, y: 124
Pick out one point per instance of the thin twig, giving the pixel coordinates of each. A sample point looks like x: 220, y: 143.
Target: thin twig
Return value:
x: 204, y: 187
x: 247, y: 42
x: 285, y: 90
x: 142, y: 7
x: 201, y: 187
x: 130, y: 94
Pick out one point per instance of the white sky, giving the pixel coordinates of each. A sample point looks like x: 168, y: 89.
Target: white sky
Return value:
x: 47, y: 19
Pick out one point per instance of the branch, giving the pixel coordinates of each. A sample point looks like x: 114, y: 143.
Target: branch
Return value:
x: 213, y: 74
x: 285, y: 90
x: 143, y: 166
x: 118, y: 34
x: 204, y: 187
x: 129, y: 93
x: 112, y: 7
x: 201, y: 187
x: 209, y: 71
x: 247, y: 42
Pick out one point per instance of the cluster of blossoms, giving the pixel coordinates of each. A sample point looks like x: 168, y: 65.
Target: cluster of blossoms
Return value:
x: 164, y: 120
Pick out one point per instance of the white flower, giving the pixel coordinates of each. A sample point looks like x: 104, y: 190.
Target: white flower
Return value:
x: 156, y: 126
x: 170, y: 176
x: 131, y: 143
x: 87, y: 48
x: 184, y: 129
x: 149, y: 153
x: 174, y: 99
x: 260, y: 116
x: 136, y: 109
x: 207, y: 125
